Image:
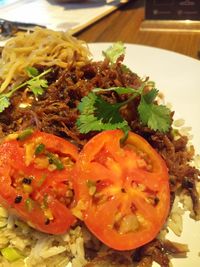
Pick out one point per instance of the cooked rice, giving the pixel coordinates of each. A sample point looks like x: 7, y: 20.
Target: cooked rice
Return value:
x: 39, y: 249
x: 175, y: 221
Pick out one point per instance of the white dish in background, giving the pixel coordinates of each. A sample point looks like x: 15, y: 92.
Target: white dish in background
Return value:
x: 58, y: 16
x: 178, y: 77
x: 4, y: 3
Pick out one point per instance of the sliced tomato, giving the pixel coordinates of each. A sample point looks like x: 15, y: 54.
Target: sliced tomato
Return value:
x: 35, y: 178
x: 122, y: 191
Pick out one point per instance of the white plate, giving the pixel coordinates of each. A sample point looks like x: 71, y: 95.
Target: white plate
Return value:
x: 178, y: 77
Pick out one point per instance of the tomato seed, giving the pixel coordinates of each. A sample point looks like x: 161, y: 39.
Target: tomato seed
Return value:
x: 47, y: 221
x: 123, y: 190
x: 18, y: 199
x: 27, y: 180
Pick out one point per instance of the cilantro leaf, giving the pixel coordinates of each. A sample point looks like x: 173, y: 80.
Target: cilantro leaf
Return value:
x: 87, y: 104
x: 98, y: 115
x: 4, y: 103
x: 156, y: 117
x: 114, y: 51
x: 150, y: 96
x: 37, y: 86
x: 32, y: 72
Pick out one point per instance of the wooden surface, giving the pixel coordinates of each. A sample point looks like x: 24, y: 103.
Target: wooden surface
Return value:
x: 125, y: 23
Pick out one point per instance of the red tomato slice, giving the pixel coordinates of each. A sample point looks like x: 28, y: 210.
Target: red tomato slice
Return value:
x: 35, y: 178
x: 122, y: 192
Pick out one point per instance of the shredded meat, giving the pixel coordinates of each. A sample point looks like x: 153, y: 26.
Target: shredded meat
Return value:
x: 175, y: 248
x: 111, y: 259
x: 153, y: 251
x: 56, y: 112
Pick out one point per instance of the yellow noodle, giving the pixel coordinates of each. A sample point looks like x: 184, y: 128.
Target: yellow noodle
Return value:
x: 23, y: 49
x: 9, y: 76
x: 42, y: 46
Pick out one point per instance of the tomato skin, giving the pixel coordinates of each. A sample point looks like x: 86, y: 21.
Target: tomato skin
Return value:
x: 121, y: 183
x: 54, y: 185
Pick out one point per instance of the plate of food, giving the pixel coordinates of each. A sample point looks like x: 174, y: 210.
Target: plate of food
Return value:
x: 99, y: 161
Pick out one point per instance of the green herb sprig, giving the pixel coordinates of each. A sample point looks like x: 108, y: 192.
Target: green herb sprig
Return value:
x: 114, y: 52
x: 97, y: 115
x: 36, y: 84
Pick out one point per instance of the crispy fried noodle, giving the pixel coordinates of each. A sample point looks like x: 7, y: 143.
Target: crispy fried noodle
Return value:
x: 43, y: 46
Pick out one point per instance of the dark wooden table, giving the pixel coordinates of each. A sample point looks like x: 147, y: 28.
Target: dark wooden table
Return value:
x: 125, y: 23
